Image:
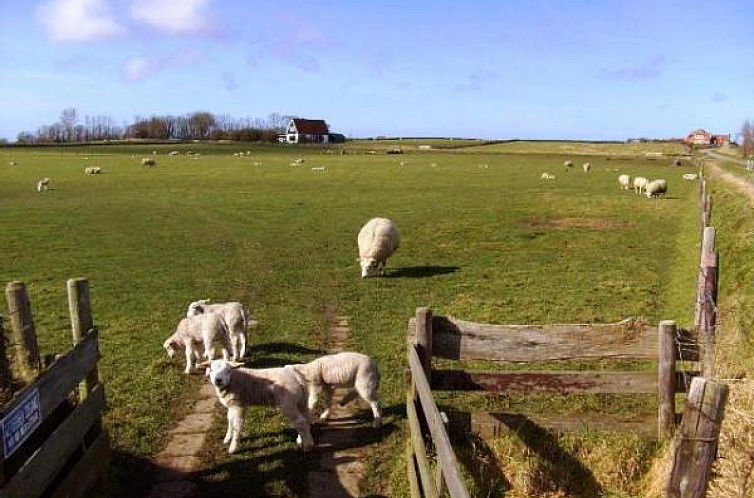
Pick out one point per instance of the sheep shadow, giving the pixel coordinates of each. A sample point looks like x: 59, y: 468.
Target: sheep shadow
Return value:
x: 422, y: 271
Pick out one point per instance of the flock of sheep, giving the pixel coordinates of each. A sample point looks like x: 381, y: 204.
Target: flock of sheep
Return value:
x: 294, y: 389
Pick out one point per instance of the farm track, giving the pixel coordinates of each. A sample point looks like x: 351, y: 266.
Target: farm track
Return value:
x: 740, y: 183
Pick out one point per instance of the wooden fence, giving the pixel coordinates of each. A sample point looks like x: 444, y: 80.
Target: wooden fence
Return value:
x: 53, y: 441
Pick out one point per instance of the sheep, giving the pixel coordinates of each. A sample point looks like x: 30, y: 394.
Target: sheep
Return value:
x: 547, y: 176
x: 320, y: 169
x: 148, y: 161
x: 690, y: 176
x: 282, y: 386
x: 432, y: 165
x: 43, y: 185
x: 355, y: 371
x: 586, y: 167
x: 12, y: 162
x: 199, y: 330
x: 639, y: 184
x: 236, y: 317
x: 173, y: 153
x: 568, y: 165
x: 624, y: 181
x: 154, y: 152
x: 655, y: 188
x: 92, y: 170
x: 257, y: 163
x: 378, y: 239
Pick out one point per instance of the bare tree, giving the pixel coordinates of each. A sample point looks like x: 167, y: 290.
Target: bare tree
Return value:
x: 747, y: 138
x: 68, y: 120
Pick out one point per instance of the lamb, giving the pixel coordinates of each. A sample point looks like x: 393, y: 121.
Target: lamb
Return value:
x: 547, y: 176
x: 655, y: 188
x: 690, y: 176
x: 236, y: 317
x: 587, y: 167
x: 92, y: 170
x: 282, y: 386
x: 43, y: 184
x: 624, y: 181
x: 12, y: 162
x: 568, y: 165
x: 173, y: 153
x: 320, y: 169
x: 148, y: 161
x: 354, y: 371
x: 639, y: 184
x: 195, y: 331
x: 378, y: 239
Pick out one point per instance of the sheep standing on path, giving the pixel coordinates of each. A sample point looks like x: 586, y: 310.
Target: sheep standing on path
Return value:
x: 639, y: 183
x: 624, y: 181
x: 236, y: 317
x: 196, y: 332
x: 378, y: 239
x: 238, y: 388
x: 656, y: 188
x: 355, y: 371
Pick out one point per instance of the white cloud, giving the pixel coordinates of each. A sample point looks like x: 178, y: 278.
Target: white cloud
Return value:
x: 177, y: 17
x: 77, y: 20
x: 138, y: 68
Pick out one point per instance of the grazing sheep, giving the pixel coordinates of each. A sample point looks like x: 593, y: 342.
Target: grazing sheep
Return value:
x: 257, y: 163
x: 656, y: 188
x: 355, y: 371
x: 547, y: 176
x: 568, y: 165
x: 148, y: 161
x: 196, y: 331
x: 690, y: 176
x: 238, y: 388
x: 92, y: 170
x: 378, y: 239
x: 433, y: 165
x: 624, y: 181
x: 173, y: 153
x: 236, y: 317
x: 403, y: 163
x: 154, y: 152
x: 483, y: 166
x: 320, y: 169
x: 587, y: 167
x: 639, y: 184
x: 43, y: 184
x: 13, y: 163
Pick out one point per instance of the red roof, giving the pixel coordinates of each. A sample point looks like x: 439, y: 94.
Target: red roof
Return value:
x: 311, y: 126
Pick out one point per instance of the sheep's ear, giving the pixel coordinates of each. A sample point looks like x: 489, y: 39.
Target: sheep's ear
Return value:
x: 235, y: 364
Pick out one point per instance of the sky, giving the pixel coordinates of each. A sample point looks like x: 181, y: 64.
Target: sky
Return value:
x: 539, y: 69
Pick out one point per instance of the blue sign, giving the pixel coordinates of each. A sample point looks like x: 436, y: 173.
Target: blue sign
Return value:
x: 21, y: 422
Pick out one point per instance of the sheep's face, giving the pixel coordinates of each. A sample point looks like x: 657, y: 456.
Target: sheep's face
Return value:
x: 219, y: 373
x: 171, y: 347
x: 368, y: 267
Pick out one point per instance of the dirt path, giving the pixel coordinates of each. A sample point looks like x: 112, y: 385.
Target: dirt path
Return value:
x: 341, y: 451
x: 740, y: 183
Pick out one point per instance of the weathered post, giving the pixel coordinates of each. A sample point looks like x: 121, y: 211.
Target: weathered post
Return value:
x: 424, y: 340
x: 707, y: 211
x: 5, y: 373
x: 22, y: 323
x: 666, y: 379
x: 79, y: 306
x: 709, y: 312
x: 695, y: 443
x: 707, y: 255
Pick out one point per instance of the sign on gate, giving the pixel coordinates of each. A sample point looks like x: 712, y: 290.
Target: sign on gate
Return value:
x: 20, y: 423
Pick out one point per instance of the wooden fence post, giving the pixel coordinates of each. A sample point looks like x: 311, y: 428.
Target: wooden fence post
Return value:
x: 709, y: 312
x: 695, y: 443
x: 5, y: 372
x: 424, y: 339
x: 707, y: 255
x: 666, y: 379
x: 27, y: 349
x: 79, y: 306
x: 707, y: 211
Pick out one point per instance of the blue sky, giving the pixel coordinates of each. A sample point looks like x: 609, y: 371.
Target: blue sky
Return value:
x: 487, y: 69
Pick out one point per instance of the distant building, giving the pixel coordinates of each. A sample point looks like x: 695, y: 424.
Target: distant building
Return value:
x: 704, y: 138
x: 720, y: 140
x: 307, y: 131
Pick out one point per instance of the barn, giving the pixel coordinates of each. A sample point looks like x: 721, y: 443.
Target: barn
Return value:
x: 309, y: 131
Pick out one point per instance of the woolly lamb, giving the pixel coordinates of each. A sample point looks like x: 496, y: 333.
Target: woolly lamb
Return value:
x: 148, y: 161
x: 236, y: 317
x: 690, y: 176
x: 320, y: 169
x: 12, y: 163
x: 378, y: 239
x: 639, y: 184
x: 199, y: 331
x: 355, y: 371
x: 547, y: 176
x: 587, y: 167
x: 43, y: 184
x: 624, y: 181
x: 173, y: 153
x: 656, y: 188
x: 568, y: 165
x: 92, y: 170
x: 238, y: 388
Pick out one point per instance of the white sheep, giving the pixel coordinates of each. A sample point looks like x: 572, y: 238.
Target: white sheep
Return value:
x: 690, y: 176
x: 173, y: 153
x: 236, y: 317
x: 354, y: 371
x: 547, y: 176
x: 92, y: 170
x: 568, y: 165
x: 195, y: 332
x: 656, y: 188
x: 148, y: 161
x: 12, y: 162
x: 257, y: 163
x: 624, y: 181
x: 238, y: 388
x: 639, y: 184
x: 320, y: 169
x: 43, y: 184
x: 586, y: 167
x: 378, y: 239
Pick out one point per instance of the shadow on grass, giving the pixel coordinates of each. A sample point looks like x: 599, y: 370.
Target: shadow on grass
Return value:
x: 422, y: 271
x: 480, y: 461
x: 129, y: 476
x: 259, y: 355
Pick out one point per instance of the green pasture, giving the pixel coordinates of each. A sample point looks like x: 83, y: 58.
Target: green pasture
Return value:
x: 483, y: 239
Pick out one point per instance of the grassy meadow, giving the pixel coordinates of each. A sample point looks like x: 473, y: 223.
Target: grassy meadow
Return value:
x: 483, y: 239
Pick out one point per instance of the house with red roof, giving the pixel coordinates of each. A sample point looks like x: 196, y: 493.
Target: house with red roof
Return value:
x: 307, y: 131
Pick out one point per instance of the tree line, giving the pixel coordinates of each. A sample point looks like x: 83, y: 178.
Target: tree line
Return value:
x: 198, y: 125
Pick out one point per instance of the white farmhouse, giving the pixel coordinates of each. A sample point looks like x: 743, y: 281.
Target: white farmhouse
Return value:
x: 307, y: 131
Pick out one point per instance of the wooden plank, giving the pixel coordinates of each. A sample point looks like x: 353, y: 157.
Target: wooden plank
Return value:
x: 35, y: 475
x: 695, y: 444
x: 62, y: 376
x: 413, y: 481
x: 87, y: 471
x: 706, y: 258
x: 493, y: 425
x: 420, y: 451
x: 666, y: 380
x: 445, y: 454
x: 583, y: 382
x: 461, y: 340
x: 709, y: 319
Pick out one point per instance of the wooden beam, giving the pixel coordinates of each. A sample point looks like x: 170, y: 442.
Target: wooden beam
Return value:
x: 666, y: 380
x: 420, y: 451
x: 413, y: 480
x: 424, y: 339
x: 80, y: 310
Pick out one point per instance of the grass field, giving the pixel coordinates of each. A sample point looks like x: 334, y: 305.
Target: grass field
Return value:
x: 492, y: 244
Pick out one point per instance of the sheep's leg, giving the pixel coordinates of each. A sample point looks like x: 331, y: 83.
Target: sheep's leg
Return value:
x: 381, y: 266
x: 369, y: 394
x: 189, y: 350
x: 229, y: 432
x: 235, y: 420
x: 326, y: 400
x: 242, y: 343
x: 300, y: 421
x: 311, y: 404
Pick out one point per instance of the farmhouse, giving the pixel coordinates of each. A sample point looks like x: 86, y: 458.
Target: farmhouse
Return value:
x: 310, y: 131
x: 705, y: 138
